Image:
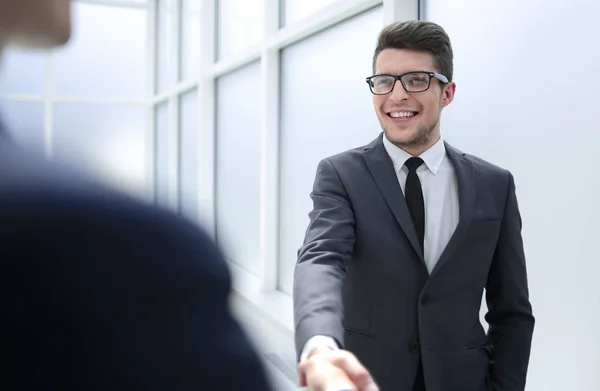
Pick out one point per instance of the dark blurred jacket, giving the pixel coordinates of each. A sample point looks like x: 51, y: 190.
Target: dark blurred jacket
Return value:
x: 101, y: 292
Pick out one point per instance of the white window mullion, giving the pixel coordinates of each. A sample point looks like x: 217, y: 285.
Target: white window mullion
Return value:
x: 151, y: 78
x: 206, y: 102
x: 173, y: 136
x: 269, y: 156
x: 173, y: 152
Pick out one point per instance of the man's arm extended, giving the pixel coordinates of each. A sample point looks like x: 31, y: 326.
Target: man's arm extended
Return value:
x: 510, y: 316
x: 321, y: 269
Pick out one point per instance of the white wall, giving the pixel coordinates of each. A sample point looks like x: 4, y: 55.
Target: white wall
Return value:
x: 527, y: 100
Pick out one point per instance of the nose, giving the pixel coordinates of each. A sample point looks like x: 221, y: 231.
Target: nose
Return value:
x: 399, y: 94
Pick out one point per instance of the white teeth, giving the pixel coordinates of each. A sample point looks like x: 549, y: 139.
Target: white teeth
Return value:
x: 403, y: 114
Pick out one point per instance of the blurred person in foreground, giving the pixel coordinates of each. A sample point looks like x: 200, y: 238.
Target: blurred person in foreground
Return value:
x: 100, y: 292
x: 404, y: 236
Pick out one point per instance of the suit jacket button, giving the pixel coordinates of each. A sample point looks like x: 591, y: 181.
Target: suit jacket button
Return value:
x: 415, y: 347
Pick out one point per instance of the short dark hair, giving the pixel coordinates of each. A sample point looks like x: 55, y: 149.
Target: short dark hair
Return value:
x: 418, y: 35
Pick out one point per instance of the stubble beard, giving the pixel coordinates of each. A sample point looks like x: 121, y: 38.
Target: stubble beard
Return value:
x: 421, y: 139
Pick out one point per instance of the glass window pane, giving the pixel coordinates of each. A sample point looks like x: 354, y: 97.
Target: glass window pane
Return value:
x: 191, y: 39
x: 166, y: 59
x: 295, y: 10
x: 238, y: 166
x: 106, y: 57
x: 240, y: 25
x: 189, y: 163
x: 25, y: 123
x: 108, y: 141
x: 323, y: 112
x: 23, y: 72
x: 162, y: 156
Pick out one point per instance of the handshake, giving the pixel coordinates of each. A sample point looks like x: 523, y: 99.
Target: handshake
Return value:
x: 334, y: 370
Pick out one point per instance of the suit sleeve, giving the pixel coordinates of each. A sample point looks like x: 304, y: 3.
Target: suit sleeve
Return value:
x: 320, y: 272
x: 509, y: 316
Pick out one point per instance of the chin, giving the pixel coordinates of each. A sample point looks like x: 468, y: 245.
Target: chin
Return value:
x: 400, y: 136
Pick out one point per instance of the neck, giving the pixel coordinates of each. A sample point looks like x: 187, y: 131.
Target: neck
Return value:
x: 417, y: 149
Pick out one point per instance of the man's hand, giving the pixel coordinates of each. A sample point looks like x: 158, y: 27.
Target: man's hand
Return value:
x: 334, y: 370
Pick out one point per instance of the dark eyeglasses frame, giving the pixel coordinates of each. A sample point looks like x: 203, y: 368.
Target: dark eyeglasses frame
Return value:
x: 435, y: 75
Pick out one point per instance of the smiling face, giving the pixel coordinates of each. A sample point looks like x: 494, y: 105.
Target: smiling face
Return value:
x: 411, y: 120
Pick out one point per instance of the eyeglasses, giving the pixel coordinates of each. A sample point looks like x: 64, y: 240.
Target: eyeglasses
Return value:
x: 412, y: 82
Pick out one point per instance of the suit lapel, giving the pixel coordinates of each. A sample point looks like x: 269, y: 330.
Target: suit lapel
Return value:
x: 382, y: 169
x: 466, y: 195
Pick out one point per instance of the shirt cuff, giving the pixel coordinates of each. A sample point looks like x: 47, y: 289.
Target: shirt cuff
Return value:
x: 315, y: 342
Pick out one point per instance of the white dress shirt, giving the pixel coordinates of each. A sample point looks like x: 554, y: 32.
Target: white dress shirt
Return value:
x: 440, y: 194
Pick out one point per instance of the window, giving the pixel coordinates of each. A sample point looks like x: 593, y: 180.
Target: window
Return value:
x: 295, y: 10
x: 325, y: 109
x: 106, y: 57
x: 240, y: 25
x: 191, y: 39
x: 166, y: 44
x: 106, y: 140
x: 238, y: 166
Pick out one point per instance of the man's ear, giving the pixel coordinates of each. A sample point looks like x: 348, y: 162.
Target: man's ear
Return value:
x: 448, y: 94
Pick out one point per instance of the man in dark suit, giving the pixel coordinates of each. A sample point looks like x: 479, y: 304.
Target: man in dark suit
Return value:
x: 405, y: 235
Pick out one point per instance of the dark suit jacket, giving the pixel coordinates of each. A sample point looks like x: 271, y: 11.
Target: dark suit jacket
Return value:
x: 361, y: 278
x: 99, y: 292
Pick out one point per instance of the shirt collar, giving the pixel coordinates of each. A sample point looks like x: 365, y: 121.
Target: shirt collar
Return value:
x: 433, y: 157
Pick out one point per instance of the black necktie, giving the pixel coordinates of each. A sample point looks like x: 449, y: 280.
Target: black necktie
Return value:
x: 414, y: 197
